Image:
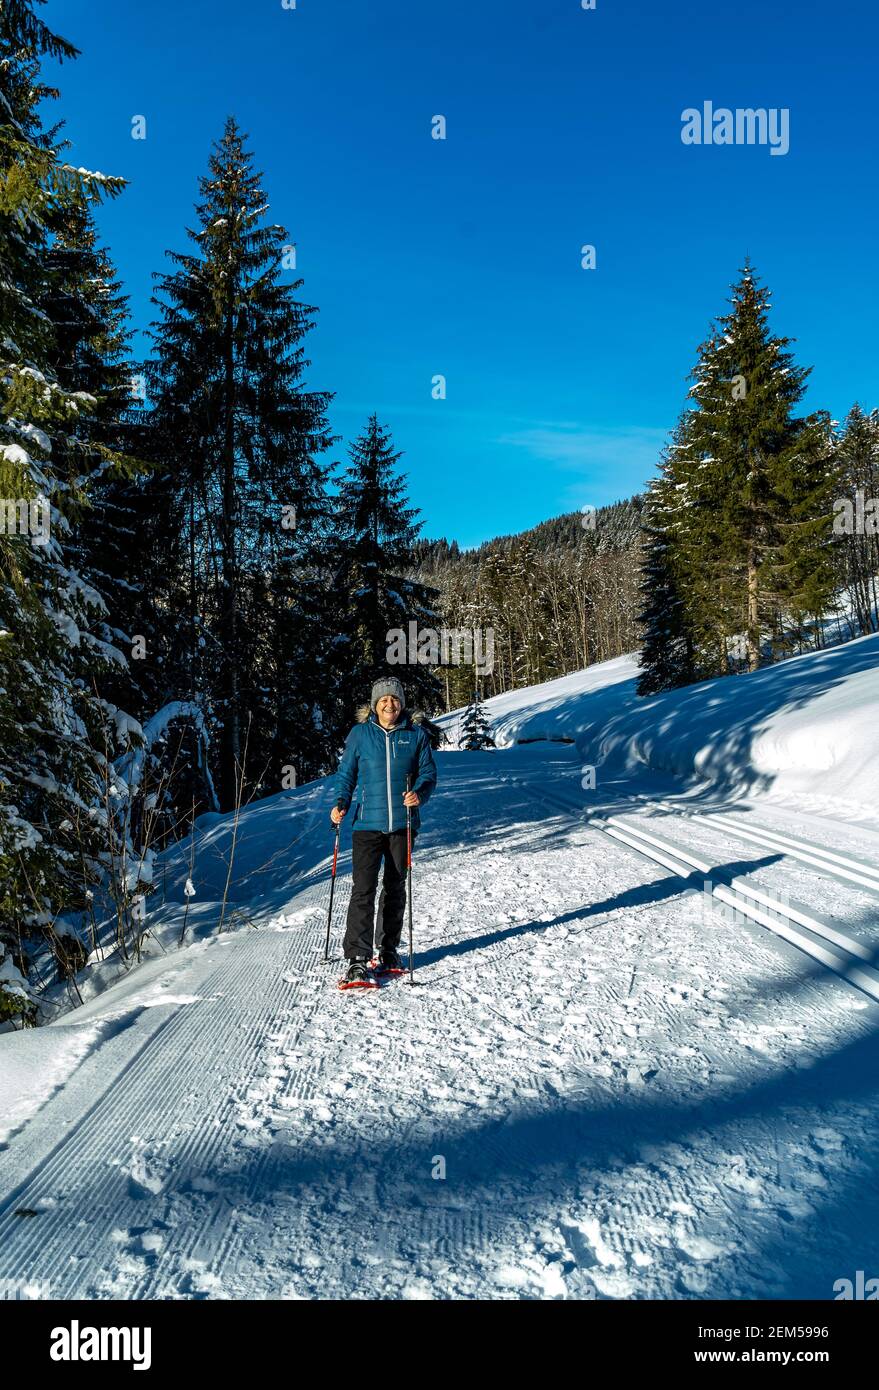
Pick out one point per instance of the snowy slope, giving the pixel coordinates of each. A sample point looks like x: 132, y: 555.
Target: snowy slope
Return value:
x: 598, y: 1088
x: 806, y: 730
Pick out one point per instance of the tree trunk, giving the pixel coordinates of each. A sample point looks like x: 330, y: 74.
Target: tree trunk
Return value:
x: 753, y: 616
x: 231, y: 742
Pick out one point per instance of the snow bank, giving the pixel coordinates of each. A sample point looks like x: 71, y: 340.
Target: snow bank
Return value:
x: 35, y: 1062
x: 557, y: 709
x: 806, y: 729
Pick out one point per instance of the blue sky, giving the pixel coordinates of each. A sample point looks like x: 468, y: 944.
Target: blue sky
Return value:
x: 462, y: 256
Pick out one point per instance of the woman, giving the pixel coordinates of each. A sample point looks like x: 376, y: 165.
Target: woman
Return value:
x: 385, y: 746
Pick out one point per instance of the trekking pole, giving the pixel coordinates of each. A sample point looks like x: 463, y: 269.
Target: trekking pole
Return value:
x: 409, y: 877
x: 332, y: 890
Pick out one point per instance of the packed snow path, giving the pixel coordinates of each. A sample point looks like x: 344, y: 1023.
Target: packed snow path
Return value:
x: 596, y: 1089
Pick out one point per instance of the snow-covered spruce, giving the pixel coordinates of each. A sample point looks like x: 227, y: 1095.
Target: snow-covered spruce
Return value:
x: 59, y: 395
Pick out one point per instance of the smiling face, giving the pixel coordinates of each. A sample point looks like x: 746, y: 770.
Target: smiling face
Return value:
x: 388, y: 710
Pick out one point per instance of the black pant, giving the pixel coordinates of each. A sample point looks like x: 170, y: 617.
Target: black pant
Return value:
x: 369, y: 847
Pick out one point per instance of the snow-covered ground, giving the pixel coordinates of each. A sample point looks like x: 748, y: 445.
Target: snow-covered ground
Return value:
x: 803, y: 731
x: 600, y: 1085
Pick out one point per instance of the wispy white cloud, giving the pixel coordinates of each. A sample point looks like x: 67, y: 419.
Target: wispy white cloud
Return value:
x: 441, y: 409
x: 597, y: 456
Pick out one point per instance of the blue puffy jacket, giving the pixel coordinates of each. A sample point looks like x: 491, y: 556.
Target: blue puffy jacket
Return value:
x: 376, y: 762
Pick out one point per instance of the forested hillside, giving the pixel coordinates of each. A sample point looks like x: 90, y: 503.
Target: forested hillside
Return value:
x: 557, y: 597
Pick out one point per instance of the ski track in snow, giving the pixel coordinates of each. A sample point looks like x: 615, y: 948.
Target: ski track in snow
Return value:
x: 626, y: 1100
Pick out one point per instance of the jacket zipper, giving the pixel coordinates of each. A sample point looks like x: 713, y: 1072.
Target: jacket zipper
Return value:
x: 388, y: 767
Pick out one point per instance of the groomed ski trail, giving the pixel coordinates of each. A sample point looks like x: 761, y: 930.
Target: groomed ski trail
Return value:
x: 594, y: 1091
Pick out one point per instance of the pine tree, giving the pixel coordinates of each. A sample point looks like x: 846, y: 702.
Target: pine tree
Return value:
x: 754, y: 486
x: 58, y: 798
x: 667, y: 658
x: 239, y: 438
x: 374, y: 595
x: 856, y: 535
x: 740, y: 561
x: 90, y: 315
x: 475, y: 731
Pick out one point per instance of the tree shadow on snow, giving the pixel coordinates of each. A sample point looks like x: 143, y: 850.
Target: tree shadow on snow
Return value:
x: 630, y: 899
x: 730, y: 714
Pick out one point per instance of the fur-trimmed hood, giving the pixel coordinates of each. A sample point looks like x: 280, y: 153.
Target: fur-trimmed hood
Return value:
x: 409, y: 719
x: 364, y: 711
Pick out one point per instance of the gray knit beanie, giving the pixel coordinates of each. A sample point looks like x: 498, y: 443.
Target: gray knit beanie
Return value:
x: 389, y: 686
